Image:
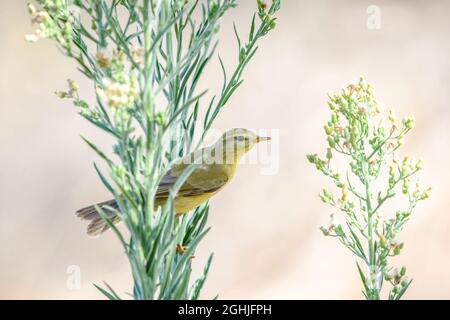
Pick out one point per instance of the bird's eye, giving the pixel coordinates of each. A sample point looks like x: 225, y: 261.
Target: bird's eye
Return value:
x: 239, y: 138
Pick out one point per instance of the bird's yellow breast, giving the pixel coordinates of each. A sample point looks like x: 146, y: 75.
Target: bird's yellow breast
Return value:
x: 186, y: 204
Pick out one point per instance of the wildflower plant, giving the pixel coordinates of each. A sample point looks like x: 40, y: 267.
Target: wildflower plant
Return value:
x: 145, y: 60
x: 367, y: 140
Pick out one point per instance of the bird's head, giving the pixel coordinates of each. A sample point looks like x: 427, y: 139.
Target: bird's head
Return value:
x: 236, y: 142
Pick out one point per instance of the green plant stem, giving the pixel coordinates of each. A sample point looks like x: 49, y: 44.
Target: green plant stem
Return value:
x: 370, y: 239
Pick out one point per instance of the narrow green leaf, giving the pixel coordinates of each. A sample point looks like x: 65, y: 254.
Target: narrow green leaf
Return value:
x: 363, y: 278
x: 97, y: 150
x: 106, y: 293
x: 198, y: 285
x: 402, y: 291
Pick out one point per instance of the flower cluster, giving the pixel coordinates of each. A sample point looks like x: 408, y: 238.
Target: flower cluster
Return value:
x: 119, y: 93
x: 71, y: 93
x: 358, y: 131
x: 54, y: 22
x: 121, y: 87
x: 117, y: 61
x: 267, y: 14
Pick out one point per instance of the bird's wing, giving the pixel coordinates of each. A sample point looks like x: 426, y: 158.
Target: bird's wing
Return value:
x: 166, y: 183
x: 204, y: 179
x: 207, y: 178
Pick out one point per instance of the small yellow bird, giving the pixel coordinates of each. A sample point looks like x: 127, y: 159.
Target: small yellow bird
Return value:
x: 215, y: 169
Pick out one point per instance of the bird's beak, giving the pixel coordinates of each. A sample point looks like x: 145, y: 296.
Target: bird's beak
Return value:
x: 260, y: 139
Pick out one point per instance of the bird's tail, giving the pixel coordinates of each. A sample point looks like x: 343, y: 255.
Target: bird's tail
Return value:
x: 97, y: 225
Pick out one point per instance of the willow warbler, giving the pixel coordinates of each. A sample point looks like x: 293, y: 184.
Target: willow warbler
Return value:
x: 215, y: 169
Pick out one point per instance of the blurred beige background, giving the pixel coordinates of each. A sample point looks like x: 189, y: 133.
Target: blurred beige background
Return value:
x: 265, y: 227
